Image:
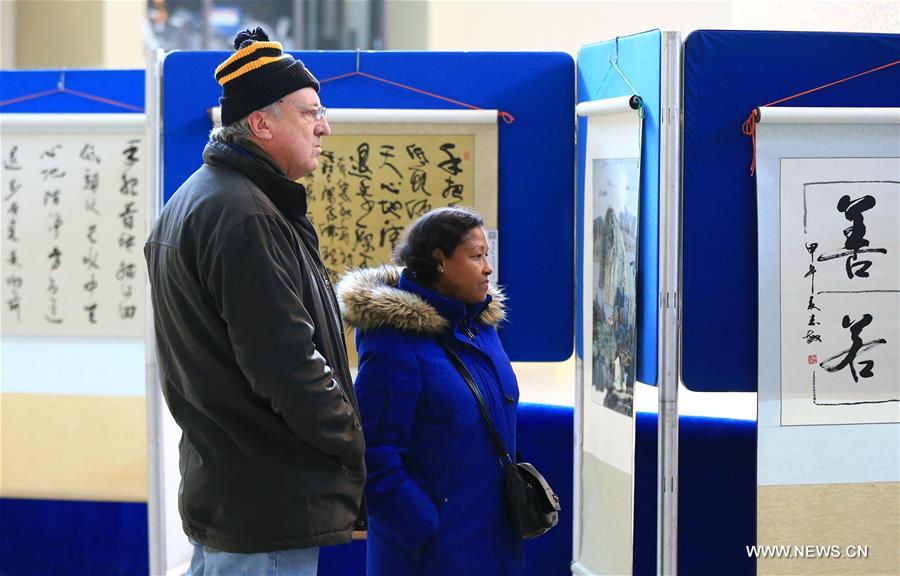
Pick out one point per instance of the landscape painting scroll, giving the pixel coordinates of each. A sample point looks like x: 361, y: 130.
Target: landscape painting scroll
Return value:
x: 611, y: 211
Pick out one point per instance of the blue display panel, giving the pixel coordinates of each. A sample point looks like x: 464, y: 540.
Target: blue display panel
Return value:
x: 726, y: 75
x: 536, y: 157
x: 638, y: 57
x: 43, y: 537
x: 82, y: 88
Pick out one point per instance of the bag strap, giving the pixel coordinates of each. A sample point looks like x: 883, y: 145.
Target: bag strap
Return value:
x: 464, y: 372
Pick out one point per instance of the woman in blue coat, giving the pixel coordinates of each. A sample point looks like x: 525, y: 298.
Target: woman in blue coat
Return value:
x: 435, y: 488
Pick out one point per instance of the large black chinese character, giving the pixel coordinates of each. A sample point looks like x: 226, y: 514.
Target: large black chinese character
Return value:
x: 55, y: 257
x: 855, y: 241
x: 387, y: 153
x: 453, y: 190
x: 127, y: 215
x: 52, y: 173
x: 360, y: 164
x: 91, y: 181
x: 91, y: 310
x: 451, y: 165
x: 129, y: 186
x: 848, y: 357
x: 126, y: 270
x: 14, y: 187
x: 130, y: 153
x: 89, y: 154
x: 12, y: 162
x: 50, y: 152
x: 416, y: 153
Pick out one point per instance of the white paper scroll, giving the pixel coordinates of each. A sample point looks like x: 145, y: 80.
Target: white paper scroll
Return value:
x: 73, y: 221
x: 611, y: 193
x: 838, y: 260
x: 828, y: 443
x: 840, y: 271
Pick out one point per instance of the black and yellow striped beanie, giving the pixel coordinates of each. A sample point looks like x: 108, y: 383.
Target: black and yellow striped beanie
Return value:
x: 257, y: 74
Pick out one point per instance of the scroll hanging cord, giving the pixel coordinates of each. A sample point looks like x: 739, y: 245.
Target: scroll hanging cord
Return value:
x: 749, y: 125
x: 61, y: 89
x: 505, y: 116
x: 614, y: 65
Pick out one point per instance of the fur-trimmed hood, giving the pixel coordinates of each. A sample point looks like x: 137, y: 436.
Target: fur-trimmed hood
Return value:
x: 370, y: 298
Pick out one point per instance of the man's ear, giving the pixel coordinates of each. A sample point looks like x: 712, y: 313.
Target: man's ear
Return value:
x: 260, y: 125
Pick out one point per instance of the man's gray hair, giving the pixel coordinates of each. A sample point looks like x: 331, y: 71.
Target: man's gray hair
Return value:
x: 239, y: 131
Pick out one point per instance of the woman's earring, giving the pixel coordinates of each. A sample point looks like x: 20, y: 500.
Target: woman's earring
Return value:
x: 441, y: 268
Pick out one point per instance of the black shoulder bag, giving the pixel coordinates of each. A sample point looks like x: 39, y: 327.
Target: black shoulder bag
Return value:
x: 531, y: 503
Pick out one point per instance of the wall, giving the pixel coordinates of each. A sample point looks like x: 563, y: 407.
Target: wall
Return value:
x: 111, y: 33
x: 7, y: 34
x: 567, y: 25
x: 406, y: 25
x: 80, y: 34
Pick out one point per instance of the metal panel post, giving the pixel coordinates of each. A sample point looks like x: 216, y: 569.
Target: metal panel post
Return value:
x: 155, y: 477
x: 669, y: 304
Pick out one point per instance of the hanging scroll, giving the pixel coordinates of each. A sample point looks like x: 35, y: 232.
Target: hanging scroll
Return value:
x: 73, y: 221
x: 611, y: 192
x: 828, y: 450
x: 839, y: 264
x: 381, y: 169
x: 841, y: 283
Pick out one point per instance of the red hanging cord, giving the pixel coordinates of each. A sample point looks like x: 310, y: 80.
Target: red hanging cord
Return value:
x: 749, y: 126
x: 506, y: 116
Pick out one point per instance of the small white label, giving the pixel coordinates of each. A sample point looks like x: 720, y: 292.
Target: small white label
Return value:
x: 493, y: 238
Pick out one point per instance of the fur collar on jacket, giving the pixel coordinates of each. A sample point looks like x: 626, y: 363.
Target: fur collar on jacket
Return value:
x: 370, y: 299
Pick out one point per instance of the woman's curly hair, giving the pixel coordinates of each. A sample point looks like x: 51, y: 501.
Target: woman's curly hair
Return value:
x: 442, y: 228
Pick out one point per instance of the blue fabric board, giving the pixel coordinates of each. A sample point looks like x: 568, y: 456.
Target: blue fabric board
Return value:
x: 56, y: 537
x: 39, y: 537
x: 545, y: 436
x: 726, y: 75
x: 639, y: 57
x: 126, y: 86
x: 717, y: 496
x: 536, y: 156
x: 717, y: 503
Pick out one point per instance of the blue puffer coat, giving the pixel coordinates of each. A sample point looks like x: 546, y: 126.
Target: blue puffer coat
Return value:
x: 434, y: 488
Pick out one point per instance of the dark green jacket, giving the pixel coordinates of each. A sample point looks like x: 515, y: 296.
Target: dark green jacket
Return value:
x: 252, y: 361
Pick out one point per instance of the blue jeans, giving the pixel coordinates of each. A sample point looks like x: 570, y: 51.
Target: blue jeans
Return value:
x: 208, y: 561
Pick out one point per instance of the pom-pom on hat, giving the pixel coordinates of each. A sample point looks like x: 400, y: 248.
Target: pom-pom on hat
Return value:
x: 257, y: 74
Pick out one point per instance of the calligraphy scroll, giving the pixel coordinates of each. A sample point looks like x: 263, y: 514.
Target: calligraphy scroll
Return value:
x: 381, y: 169
x: 74, y: 224
x: 840, y: 270
x: 828, y: 449
x: 376, y: 177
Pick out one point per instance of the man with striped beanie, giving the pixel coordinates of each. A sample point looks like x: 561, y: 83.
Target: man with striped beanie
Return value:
x: 249, y: 338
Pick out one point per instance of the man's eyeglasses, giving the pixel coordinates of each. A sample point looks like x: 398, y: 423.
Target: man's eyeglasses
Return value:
x: 317, y: 111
